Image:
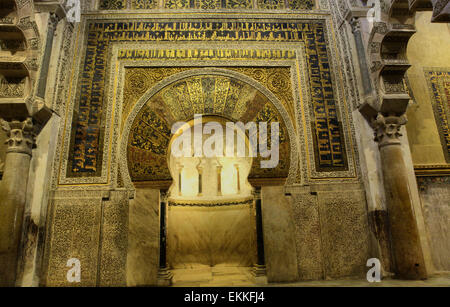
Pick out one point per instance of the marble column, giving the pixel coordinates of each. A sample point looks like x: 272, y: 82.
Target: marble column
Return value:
x: 13, y: 188
x: 406, y: 247
x: 164, y: 278
x: 179, y: 170
x: 219, y: 180
x: 200, y: 180
x: 238, y: 179
x: 259, y: 270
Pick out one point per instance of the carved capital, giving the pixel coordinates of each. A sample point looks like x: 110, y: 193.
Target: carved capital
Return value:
x: 21, y: 135
x: 387, y: 129
x: 356, y: 25
x: 53, y: 21
x: 257, y: 193
x: 163, y: 196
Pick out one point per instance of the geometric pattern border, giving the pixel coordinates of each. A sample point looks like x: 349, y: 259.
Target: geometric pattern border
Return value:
x: 88, y: 123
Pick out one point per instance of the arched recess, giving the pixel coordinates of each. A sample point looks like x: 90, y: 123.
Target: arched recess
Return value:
x: 265, y: 100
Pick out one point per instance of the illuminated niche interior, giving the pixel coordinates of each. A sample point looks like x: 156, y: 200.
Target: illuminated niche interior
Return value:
x: 203, y: 179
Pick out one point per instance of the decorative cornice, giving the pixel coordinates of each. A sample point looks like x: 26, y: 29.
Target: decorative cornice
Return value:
x: 424, y: 182
x: 432, y: 170
x: 217, y: 203
x: 53, y: 7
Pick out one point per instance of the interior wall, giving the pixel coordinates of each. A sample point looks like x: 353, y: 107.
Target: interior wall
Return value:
x: 428, y: 48
x: 435, y: 196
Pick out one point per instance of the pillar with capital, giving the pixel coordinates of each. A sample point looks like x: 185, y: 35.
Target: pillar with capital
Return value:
x: 13, y: 189
x: 164, y: 278
x: 406, y: 248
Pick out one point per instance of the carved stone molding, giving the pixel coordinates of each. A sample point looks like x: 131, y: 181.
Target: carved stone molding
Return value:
x: 387, y: 129
x: 355, y: 24
x: 21, y: 135
x: 441, y: 10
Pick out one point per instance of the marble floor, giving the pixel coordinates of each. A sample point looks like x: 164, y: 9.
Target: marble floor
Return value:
x: 242, y: 277
x: 441, y: 281
x: 217, y: 276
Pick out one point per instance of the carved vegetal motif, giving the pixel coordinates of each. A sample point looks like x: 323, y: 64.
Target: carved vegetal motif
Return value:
x: 12, y: 87
x: 271, y: 4
x: 144, y: 4
x: 301, y: 4
x: 387, y: 129
x: 20, y: 135
x: 207, y: 4
x: 239, y: 4
x: 112, y: 4
x: 176, y: 4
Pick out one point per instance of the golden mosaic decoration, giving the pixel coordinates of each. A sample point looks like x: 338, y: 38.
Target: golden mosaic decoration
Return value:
x: 209, y: 95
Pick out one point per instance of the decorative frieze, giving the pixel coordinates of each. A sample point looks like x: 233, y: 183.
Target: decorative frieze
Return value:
x: 12, y: 87
x: 206, y: 4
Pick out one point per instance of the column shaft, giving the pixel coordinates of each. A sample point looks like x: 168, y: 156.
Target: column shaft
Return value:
x: 405, y: 241
x: 407, y: 250
x: 13, y: 190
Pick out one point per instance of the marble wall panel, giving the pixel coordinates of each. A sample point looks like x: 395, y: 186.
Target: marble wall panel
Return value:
x: 279, y: 240
x: 435, y: 197
x: 221, y: 235
x: 143, y: 238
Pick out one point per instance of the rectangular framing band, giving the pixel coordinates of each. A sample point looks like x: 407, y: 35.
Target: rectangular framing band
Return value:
x: 300, y: 78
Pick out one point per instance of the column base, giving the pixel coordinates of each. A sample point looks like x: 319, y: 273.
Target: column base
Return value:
x: 260, y: 274
x: 164, y: 278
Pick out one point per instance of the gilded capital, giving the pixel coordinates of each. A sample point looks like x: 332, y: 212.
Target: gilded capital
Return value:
x: 21, y: 135
x: 387, y: 129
